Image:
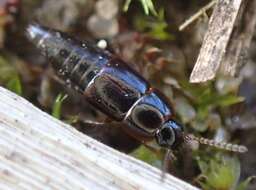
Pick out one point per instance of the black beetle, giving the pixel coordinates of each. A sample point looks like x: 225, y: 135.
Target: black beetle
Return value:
x: 117, y: 90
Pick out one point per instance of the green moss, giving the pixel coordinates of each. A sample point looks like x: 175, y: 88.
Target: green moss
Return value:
x: 156, y: 27
x: 148, y: 156
x: 56, y: 110
x: 147, y: 5
x: 221, y: 172
x: 206, y: 97
x: 9, y: 76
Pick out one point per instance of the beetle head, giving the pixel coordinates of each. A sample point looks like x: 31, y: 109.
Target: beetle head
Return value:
x: 170, y: 135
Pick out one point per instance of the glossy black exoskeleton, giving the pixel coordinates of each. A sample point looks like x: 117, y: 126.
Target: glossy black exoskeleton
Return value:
x: 117, y: 90
x: 110, y: 85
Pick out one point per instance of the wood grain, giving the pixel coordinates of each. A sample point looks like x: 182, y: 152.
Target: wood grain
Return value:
x: 216, y: 40
x: 38, y: 151
x: 237, y: 53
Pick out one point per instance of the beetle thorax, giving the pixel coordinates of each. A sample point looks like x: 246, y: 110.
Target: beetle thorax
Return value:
x: 148, y: 113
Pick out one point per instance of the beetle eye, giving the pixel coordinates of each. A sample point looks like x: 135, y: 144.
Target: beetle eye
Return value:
x: 165, y: 136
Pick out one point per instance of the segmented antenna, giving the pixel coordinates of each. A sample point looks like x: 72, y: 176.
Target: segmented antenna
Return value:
x: 221, y: 145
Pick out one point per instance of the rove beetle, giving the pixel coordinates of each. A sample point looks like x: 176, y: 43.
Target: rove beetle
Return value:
x: 110, y: 85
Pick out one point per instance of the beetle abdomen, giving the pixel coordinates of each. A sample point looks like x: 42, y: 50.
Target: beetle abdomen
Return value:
x: 75, y: 62
x: 106, y: 81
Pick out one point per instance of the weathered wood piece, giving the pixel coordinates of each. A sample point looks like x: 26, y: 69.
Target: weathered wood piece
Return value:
x: 216, y: 40
x: 38, y: 151
x: 238, y: 48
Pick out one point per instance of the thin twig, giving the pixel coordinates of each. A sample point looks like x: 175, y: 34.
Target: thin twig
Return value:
x: 197, y: 15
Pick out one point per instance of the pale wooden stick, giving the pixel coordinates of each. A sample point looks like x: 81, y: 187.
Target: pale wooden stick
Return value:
x: 197, y: 15
x: 216, y: 40
x: 38, y: 151
x: 237, y: 51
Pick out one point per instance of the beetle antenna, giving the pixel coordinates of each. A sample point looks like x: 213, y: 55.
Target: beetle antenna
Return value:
x: 210, y: 142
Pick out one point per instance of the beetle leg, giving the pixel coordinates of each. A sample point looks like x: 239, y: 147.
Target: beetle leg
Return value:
x: 169, y: 157
x: 91, y: 123
x: 97, y: 125
x: 151, y: 147
x: 90, y: 126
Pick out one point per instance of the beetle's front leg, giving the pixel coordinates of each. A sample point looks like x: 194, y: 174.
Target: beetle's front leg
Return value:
x: 169, y: 157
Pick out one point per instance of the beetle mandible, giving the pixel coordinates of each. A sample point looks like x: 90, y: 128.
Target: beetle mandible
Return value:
x: 111, y: 86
